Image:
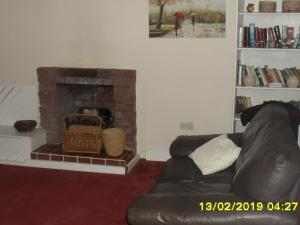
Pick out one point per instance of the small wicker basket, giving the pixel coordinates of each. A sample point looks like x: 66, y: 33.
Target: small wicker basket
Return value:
x: 267, y: 6
x: 292, y: 6
x: 114, y: 141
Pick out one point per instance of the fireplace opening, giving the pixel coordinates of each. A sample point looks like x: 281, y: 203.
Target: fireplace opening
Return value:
x: 86, y: 99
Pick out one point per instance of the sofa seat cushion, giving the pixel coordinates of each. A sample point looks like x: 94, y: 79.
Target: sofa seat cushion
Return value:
x: 183, y: 169
x: 200, y: 186
x: 181, y: 175
x: 179, y: 209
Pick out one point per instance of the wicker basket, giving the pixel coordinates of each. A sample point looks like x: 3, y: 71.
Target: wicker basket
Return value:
x: 82, y: 138
x: 291, y: 6
x: 267, y: 6
x: 114, y: 141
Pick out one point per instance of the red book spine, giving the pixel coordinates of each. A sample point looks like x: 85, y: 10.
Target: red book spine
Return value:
x: 267, y: 75
x: 256, y: 35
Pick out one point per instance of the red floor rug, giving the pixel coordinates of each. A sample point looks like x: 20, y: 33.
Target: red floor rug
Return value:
x: 31, y: 196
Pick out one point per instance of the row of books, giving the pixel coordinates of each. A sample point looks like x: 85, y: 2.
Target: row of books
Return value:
x: 272, y: 37
x: 242, y: 103
x: 267, y: 77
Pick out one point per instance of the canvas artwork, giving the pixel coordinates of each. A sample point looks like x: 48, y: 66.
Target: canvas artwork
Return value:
x: 187, y: 18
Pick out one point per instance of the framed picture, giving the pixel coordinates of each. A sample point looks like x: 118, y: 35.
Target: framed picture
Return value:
x: 187, y: 18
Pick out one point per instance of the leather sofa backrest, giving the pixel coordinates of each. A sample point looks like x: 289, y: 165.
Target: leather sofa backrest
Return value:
x: 184, y: 145
x: 268, y: 166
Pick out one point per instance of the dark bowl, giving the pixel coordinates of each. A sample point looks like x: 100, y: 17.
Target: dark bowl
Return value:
x: 25, y: 125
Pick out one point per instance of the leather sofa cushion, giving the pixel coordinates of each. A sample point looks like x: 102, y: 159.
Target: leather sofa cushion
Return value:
x: 181, y: 175
x: 183, y: 169
x: 179, y: 209
x: 179, y: 169
x: 185, y: 144
x: 200, y: 186
x: 267, y: 170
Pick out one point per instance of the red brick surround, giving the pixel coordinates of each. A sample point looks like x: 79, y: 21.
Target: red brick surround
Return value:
x: 64, y: 90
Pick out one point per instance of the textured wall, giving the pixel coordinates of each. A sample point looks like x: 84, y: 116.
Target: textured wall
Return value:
x: 177, y: 79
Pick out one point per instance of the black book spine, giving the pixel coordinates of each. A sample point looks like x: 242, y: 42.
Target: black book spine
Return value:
x: 277, y: 34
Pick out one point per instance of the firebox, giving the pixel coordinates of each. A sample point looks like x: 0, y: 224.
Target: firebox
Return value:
x: 65, y: 91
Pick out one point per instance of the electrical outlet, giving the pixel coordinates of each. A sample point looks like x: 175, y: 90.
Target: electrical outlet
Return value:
x: 186, y: 126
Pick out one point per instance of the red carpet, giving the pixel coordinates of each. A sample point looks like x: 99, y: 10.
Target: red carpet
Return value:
x: 31, y: 196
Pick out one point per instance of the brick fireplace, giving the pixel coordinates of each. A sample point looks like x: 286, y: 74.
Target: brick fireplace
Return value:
x: 64, y: 90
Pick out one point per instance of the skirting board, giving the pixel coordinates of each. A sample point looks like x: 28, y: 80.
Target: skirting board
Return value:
x: 157, y: 155
x: 75, y: 166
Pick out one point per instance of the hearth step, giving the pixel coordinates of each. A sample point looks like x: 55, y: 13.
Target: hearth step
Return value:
x: 52, y: 156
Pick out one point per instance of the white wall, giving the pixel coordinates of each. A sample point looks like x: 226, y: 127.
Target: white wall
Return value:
x: 177, y: 79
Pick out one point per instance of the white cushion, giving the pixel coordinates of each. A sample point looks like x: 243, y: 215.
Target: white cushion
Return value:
x: 215, y: 155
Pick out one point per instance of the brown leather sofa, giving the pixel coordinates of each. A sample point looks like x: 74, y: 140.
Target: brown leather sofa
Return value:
x: 266, y: 172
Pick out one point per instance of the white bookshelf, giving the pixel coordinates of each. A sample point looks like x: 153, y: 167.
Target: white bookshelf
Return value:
x: 267, y: 14
x: 270, y: 49
x: 272, y: 57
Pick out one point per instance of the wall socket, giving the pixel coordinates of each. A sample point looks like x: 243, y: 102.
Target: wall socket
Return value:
x: 186, y: 125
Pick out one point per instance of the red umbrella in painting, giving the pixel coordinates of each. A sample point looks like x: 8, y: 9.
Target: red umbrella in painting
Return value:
x: 179, y: 15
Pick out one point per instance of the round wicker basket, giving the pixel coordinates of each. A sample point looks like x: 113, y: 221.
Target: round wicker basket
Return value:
x: 113, y: 140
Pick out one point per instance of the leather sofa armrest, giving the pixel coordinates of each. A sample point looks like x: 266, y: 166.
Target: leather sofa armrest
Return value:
x: 178, y: 209
x: 184, y: 145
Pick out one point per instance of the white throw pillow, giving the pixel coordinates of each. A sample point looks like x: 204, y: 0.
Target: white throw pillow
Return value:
x: 215, y: 155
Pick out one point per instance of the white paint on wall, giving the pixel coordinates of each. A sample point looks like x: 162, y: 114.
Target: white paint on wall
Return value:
x: 157, y: 155
x: 18, y: 102
x: 177, y: 79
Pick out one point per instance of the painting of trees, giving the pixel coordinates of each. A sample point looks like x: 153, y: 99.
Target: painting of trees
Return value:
x: 161, y: 4
x: 187, y: 18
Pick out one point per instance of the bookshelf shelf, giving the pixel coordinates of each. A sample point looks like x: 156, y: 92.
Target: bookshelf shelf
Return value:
x: 269, y: 88
x: 268, y: 14
x: 268, y: 58
x: 270, y: 49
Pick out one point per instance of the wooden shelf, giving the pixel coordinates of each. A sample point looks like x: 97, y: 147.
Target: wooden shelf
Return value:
x: 269, y: 88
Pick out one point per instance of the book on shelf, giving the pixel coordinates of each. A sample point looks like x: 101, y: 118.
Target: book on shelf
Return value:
x: 297, y: 39
x: 239, y: 72
x: 242, y: 103
x: 241, y: 30
x: 296, y: 72
x: 245, y: 40
x: 267, y: 77
x: 280, y: 76
x: 252, y: 36
x: 261, y: 76
x: 284, y: 32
